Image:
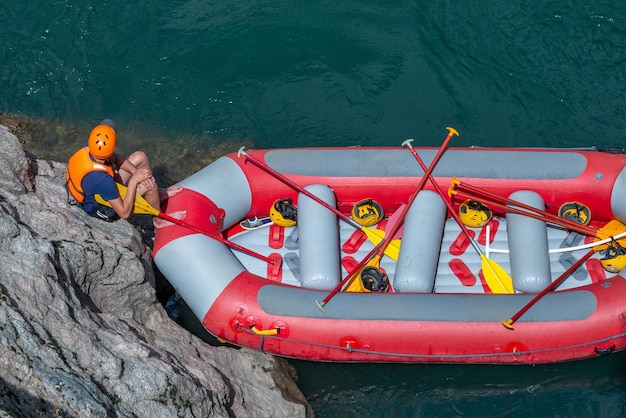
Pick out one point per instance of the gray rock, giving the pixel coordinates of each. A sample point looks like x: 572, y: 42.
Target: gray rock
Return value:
x: 81, y: 331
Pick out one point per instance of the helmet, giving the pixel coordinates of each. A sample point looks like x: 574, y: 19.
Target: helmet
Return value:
x: 576, y: 212
x: 102, y: 142
x: 614, y: 258
x: 374, y: 279
x: 474, y: 214
x: 367, y: 212
x: 283, y: 212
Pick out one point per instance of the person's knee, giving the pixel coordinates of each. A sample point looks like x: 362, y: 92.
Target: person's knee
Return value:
x: 139, y: 159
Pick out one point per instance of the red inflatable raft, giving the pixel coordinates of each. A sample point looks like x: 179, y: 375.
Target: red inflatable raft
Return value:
x: 524, y: 285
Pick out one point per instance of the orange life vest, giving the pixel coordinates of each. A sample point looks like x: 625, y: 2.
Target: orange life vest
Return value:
x: 79, y: 166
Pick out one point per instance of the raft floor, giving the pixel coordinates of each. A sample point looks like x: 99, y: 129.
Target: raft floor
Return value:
x: 459, y: 265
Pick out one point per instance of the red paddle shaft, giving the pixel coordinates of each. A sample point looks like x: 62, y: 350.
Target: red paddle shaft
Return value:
x: 255, y: 161
x: 420, y: 186
x: 509, y: 324
x: 443, y: 197
x: 215, y: 237
x: 380, y: 249
x: 480, y: 194
x: 546, y: 217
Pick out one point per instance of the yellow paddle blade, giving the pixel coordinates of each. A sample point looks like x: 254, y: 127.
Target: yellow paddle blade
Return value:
x: 376, y: 236
x: 355, y: 284
x: 496, y: 277
x: 141, y: 207
x: 100, y: 200
x: 611, y: 229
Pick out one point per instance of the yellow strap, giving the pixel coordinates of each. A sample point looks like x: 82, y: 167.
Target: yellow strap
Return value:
x: 273, y: 331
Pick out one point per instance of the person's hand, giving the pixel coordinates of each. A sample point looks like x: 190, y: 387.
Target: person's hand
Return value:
x: 147, y: 184
x: 143, y: 180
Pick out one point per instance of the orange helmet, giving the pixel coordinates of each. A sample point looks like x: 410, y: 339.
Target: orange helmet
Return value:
x: 102, y: 142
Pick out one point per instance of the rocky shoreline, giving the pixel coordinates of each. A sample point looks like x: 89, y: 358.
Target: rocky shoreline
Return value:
x: 81, y: 331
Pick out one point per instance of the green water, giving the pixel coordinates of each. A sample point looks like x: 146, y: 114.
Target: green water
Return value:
x: 189, y: 80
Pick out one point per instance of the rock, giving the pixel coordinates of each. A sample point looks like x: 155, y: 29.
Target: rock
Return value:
x: 81, y: 331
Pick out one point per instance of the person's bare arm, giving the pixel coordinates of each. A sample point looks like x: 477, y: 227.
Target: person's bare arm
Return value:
x: 124, y: 206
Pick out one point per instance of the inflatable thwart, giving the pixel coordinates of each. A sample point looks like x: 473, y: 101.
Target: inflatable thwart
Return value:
x: 419, y: 283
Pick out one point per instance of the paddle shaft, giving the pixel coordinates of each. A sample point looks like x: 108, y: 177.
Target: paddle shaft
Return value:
x: 354, y: 271
x: 546, y: 217
x: 373, y: 234
x: 419, y: 187
x: 508, y: 324
x: 481, y: 194
x: 299, y: 188
x: 460, y: 223
x: 141, y: 206
x: 445, y: 200
x: 215, y: 237
x: 380, y: 249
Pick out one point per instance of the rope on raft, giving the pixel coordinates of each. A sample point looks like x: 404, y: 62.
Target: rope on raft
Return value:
x: 516, y: 353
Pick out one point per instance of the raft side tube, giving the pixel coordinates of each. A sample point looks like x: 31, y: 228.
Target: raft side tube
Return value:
x: 421, y: 244
x: 285, y: 302
x: 224, y: 183
x: 318, y: 238
x: 618, y: 197
x: 199, y: 268
x: 528, y: 246
x: 529, y: 164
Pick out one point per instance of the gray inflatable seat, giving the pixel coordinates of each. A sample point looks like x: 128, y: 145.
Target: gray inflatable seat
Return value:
x: 528, y: 246
x: 421, y: 244
x: 318, y: 239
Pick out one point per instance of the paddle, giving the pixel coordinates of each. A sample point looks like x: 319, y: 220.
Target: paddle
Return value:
x: 373, y: 257
x: 602, y: 243
x: 142, y: 207
x: 393, y: 220
x: 373, y: 234
x: 557, y: 220
x: 496, y: 277
x: 509, y: 323
x: 611, y: 229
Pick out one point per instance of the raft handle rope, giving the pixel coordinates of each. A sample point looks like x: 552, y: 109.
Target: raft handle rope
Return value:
x: 515, y: 353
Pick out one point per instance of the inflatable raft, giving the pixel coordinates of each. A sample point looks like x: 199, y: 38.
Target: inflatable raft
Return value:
x: 299, y: 289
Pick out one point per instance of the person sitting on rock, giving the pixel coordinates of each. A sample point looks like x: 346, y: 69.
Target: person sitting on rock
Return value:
x: 95, y: 169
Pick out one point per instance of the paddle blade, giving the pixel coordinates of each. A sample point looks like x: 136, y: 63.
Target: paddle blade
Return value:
x: 141, y: 207
x: 393, y: 249
x: 393, y: 220
x: 121, y: 189
x: 100, y: 200
x: 356, y: 284
x: 496, y: 277
x: 611, y: 229
x: 376, y: 236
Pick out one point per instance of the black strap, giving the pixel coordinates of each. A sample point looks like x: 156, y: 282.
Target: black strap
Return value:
x: 286, y: 209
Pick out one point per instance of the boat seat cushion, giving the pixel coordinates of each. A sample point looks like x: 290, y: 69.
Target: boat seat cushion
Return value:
x: 421, y: 244
x: 528, y: 246
x: 318, y: 239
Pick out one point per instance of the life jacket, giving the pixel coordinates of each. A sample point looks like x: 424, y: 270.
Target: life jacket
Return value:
x: 79, y: 166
